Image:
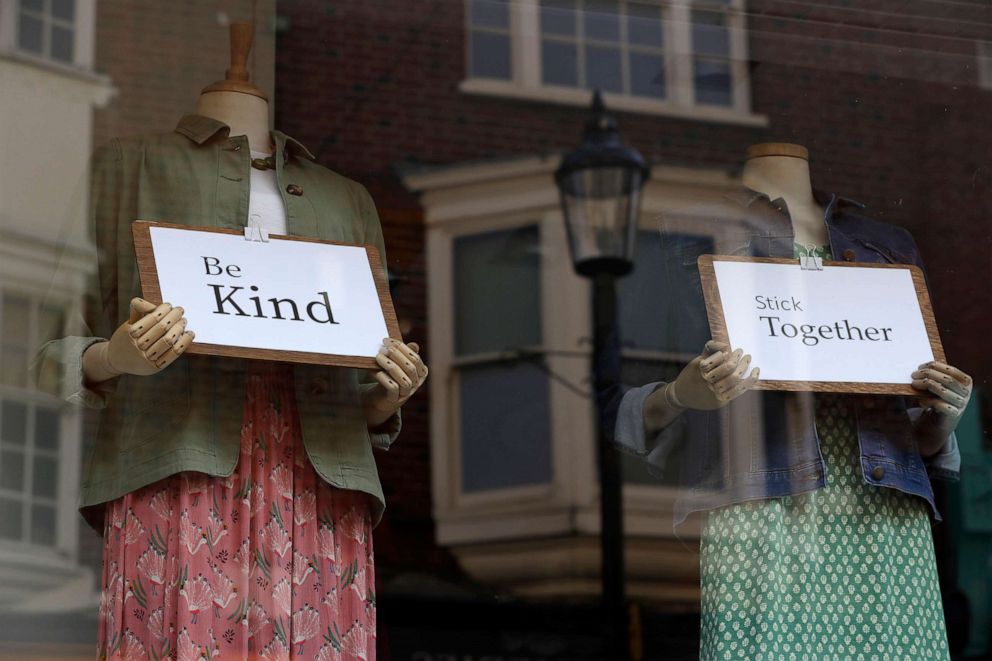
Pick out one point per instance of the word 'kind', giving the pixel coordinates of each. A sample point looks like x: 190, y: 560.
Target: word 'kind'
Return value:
x: 229, y: 299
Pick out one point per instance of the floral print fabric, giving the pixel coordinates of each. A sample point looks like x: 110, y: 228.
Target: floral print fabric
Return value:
x: 269, y: 563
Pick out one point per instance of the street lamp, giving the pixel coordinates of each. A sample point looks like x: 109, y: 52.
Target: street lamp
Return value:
x: 600, y: 185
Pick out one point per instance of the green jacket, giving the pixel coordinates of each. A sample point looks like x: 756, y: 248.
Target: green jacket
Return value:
x: 188, y: 417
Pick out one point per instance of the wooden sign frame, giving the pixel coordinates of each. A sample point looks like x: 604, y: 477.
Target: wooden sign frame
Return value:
x: 718, y: 323
x: 152, y: 291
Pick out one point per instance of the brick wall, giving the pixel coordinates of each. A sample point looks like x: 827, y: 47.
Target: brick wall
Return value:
x: 883, y: 93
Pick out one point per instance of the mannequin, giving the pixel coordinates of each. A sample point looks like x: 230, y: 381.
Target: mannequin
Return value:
x: 787, y: 545
x: 781, y: 170
x: 238, y: 497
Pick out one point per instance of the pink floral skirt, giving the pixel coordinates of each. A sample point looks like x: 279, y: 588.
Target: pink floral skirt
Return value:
x: 271, y: 562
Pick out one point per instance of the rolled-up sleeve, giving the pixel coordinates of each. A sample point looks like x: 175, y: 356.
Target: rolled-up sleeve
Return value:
x: 59, y: 371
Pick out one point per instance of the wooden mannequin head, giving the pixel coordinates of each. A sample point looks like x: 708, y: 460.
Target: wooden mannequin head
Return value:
x: 235, y: 100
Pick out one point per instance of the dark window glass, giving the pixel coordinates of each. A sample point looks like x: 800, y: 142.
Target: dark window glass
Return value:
x: 46, y: 429
x: 602, y: 20
x: 64, y: 10
x: 647, y: 75
x: 490, y: 56
x: 558, y: 17
x: 505, y: 431
x: 490, y: 13
x: 559, y: 63
x: 497, y: 277
x: 11, y: 470
x: 62, y: 44
x: 644, y: 24
x: 713, y: 84
x: 709, y: 33
x: 604, y: 70
x: 13, y: 423
x: 43, y: 525
x: 11, y: 519
x: 45, y: 476
x: 30, y: 34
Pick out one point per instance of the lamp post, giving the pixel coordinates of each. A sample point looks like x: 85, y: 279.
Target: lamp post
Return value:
x: 600, y: 185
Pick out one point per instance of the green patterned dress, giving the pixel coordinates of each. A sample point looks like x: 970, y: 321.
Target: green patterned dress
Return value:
x: 844, y: 572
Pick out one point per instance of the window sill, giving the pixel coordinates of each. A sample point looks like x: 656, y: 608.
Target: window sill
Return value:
x: 54, y: 66
x: 580, y: 97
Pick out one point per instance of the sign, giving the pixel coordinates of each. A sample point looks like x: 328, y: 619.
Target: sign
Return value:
x: 852, y: 327
x: 289, y: 299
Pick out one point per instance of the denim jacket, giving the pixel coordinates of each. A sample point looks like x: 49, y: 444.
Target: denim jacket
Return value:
x: 775, y: 449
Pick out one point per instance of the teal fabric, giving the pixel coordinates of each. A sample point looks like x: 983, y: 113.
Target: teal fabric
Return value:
x: 843, y: 572
x: 188, y: 417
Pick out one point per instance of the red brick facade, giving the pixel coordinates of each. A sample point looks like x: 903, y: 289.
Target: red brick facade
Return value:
x: 884, y: 95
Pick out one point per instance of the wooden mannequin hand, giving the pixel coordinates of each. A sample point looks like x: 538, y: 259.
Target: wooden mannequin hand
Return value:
x: 151, y: 339
x: 402, y: 373
x: 945, y: 392
x: 712, y: 379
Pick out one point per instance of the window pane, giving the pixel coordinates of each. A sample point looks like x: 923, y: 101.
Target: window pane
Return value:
x: 12, y: 470
x: 603, y: 69
x: 11, y: 519
x: 64, y: 9
x: 497, y: 277
x: 647, y: 75
x: 657, y: 309
x: 45, y: 476
x: 559, y: 63
x: 29, y: 34
x: 490, y: 55
x: 46, y: 429
x: 644, y: 24
x: 62, y: 44
x: 713, y: 83
x: 14, y: 341
x: 490, y: 13
x: 558, y: 17
x: 43, y: 525
x: 33, y: 5
x: 504, y: 427
x: 709, y: 33
x: 602, y: 20
x: 49, y: 323
x: 13, y: 423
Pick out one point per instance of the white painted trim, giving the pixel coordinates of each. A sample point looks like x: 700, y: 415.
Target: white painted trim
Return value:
x: 572, y: 96
x: 8, y: 23
x: 85, y: 37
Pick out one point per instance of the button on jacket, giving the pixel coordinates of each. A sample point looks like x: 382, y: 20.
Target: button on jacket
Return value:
x: 188, y: 416
x: 775, y: 450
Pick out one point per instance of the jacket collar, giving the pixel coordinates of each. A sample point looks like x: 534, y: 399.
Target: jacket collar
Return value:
x: 832, y: 202
x: 200, y: 129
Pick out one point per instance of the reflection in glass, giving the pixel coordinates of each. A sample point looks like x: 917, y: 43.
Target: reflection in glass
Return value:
x: 602, y: 20
x: 559, y: 63
x: 13, y: 423
x: 11, y: 470
x: 558, y: 17
x: 43, y: 525
x: 644, y: 24
x: 505, y: 428
x: 489, y: 13
x: 647, y: 75
x: 11, y: 519
x: 490, y: 55
x: 713, y: 83
x: 603, y: 69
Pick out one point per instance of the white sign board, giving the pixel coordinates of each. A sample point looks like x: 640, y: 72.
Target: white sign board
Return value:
x: 292, y: 299
x: 848, y: 328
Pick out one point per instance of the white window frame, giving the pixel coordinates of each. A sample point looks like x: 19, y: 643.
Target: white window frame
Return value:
x: 84, y: 29
x: 525, y: 65
x: 478, y: 198
x: 984, y: 54
x: 65, y: 547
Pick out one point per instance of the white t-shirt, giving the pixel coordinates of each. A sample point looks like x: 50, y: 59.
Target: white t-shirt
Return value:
x: 265, y: 207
